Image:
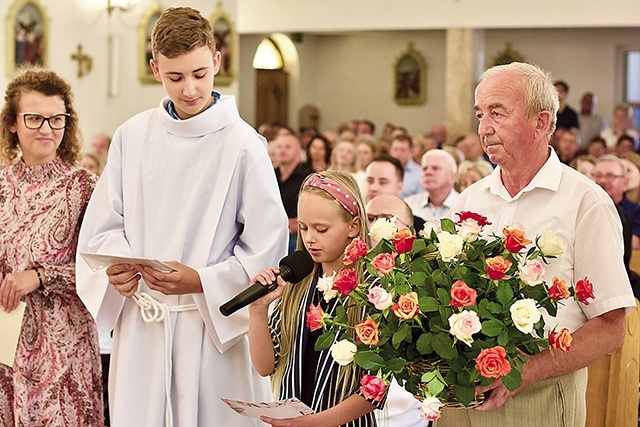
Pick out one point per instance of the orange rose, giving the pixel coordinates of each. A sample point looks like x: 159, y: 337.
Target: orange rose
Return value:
x: 515, y: 240
x: 462, y: 295
x: 403, y: 240
x: 355, y: 250
x: 367, y: 332
x: 559, y: 290
x: 561, y: 340
x: 497, y: 267
x: 384, y: 262
x: 492, y: 362
x: 407, y: 306
x: 584, y: 290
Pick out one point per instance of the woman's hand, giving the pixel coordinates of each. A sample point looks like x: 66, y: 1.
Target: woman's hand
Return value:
x: 303, y: 421
x: 15, y: 286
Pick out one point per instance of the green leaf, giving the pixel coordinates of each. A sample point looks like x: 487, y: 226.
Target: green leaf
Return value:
x: 465, y: 394
x: 503, y: 338
x: 428, y: 304
x: 494, y: 308
x: 443, y: 345
x: 341, y: 314
x: 369, y: 360
x: 324, y: 341
x: 396, y: 364
x: 504, y: 294
x: 418, y: 278
x: 447, y: 225
x: 401, y: 334
x: 492, y: 327
x: 435, y: 386
x: 513, y: 380
x: 423, y: 345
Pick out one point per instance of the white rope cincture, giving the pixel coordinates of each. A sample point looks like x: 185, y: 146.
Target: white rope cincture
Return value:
x: 153, y: 310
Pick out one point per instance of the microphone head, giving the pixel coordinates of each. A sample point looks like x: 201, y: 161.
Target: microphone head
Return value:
x: 296, y: 266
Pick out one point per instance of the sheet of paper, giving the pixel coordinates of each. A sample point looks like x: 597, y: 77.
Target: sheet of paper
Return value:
x: 99, y: 261
x: 10, y: 326
x: 289, y: 408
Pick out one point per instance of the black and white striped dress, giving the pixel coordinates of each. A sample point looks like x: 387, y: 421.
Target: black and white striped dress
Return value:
x: 326, y: 387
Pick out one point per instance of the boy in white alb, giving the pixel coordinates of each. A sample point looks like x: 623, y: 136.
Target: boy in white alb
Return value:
x: 189, y: 183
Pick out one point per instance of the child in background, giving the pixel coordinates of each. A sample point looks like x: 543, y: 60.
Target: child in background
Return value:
x: 330, y: 215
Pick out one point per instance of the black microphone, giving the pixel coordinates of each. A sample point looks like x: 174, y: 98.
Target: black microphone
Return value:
x: 293, y: 268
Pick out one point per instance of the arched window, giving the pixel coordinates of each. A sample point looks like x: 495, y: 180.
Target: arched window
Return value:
x: 268, y: 56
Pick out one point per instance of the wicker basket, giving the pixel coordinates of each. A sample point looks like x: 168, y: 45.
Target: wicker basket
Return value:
x: 419, y: 368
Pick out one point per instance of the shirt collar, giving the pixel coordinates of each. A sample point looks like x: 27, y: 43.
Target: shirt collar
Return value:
x: 171, y: 109
x: 548, y: 177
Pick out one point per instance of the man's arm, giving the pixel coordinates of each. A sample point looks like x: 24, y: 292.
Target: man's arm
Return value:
x: 599, y: 336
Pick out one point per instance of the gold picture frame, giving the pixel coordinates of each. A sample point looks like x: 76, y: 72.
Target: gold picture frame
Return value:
x: 225, y: 36
x: 507, y: 55
x: 27, y: 36
x: 410, y: 78
x: 145, y: 28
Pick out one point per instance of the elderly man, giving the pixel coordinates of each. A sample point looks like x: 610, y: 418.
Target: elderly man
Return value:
x: 516, y: 106
x: 438, y: 177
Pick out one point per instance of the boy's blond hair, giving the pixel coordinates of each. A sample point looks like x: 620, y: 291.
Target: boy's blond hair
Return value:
x: 181, y: 30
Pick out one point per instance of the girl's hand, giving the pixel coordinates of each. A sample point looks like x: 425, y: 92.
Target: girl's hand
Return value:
x: 266, y: 278
x: 303, y: 421
x: 15, y: 286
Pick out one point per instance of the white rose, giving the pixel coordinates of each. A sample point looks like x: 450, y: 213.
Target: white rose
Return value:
x: 325, y: 284
x: 525, y: 314
x: 469, y: 230
x: 343, y: 351
x: 449, y: 245
x: 512, y: 226
x: 430, y: 408
x: 429, y: 225
x: 383, y: 229
x: 380, y: 298
x: 464, y: 324
x: 532, y: 273
x: 550, y: 244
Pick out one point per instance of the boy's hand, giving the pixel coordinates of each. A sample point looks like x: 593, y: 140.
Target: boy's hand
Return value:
x: 184, y: 280
x: 124, y: 278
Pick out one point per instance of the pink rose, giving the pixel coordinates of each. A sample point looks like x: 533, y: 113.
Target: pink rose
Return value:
x: 384, y: 262
x: 355, y: 250
x: 315, y: 318
x: 431, y: 225
x: 532, y: 273
x: 345, y: 281
x: 462, y: 295
x: 497, y: 267
x: 463, y: 325
x: 492, y: 362
x: 372, y: 387
x: 430, y: 408
x: 380, y: 298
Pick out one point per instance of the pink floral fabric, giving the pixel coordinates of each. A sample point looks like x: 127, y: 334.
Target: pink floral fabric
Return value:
x: 56, y: 377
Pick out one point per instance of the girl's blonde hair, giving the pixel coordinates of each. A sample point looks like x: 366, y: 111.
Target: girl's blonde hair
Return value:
x: 293, y: 296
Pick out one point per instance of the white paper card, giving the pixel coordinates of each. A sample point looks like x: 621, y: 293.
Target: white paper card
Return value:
x: 10, y: 326
x: 99, y: 261
x: 289, y: 408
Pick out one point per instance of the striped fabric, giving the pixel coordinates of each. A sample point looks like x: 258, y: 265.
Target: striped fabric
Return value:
x: 327, y: 388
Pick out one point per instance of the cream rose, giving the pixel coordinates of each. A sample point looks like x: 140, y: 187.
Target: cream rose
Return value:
x: 449, y: 245
x: 343, y: 351
x: 383, y: 229
x: 430, y: 408
x: 532, y: 273
x: 469, y: 230
x: 429, y: 225
x: 525, y: 314
x: 325, y: 285
x: 464, y: 324
x: 550, y: 244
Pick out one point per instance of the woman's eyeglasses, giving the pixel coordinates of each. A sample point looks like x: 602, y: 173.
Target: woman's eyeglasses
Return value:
x: 35, y: 121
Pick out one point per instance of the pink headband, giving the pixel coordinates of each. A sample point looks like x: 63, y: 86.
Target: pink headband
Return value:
x: 336, y: 190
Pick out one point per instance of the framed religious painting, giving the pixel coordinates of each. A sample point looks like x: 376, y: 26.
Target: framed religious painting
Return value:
x: 410, y: 78
x: 27, y: 36
x: 145, y: 28
x: 507, y: 56
x: 225, y: 37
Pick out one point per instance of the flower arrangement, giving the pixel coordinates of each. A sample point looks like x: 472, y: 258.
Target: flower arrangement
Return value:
x: 446, y: 310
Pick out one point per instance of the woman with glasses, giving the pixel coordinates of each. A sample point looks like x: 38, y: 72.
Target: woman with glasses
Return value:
x: 56, y: 377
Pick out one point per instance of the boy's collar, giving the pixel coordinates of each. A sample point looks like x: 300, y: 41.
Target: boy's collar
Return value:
x: 172, y: 110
